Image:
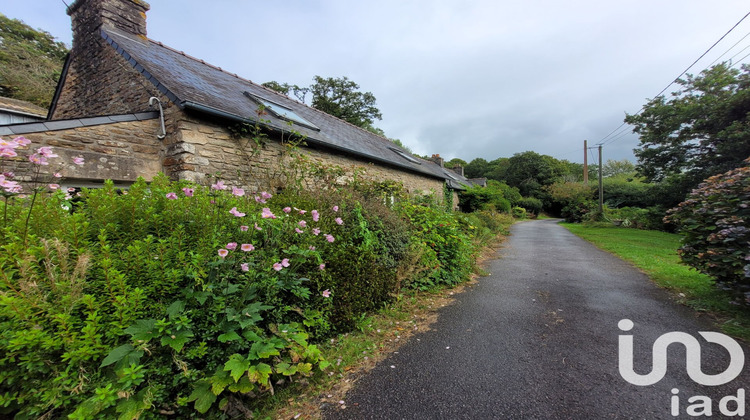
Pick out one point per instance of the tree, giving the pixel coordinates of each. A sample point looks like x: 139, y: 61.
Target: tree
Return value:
x: 477, y: 168
x: 455, y: 162
x: 618, y: 167
x: 703, y: 129
x: 30, y: 62
x: 339, y: 97
x: 530, y: 172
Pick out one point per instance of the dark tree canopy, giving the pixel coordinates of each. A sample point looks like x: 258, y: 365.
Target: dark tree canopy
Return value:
x: 30, y: 62
x: 699, y: 131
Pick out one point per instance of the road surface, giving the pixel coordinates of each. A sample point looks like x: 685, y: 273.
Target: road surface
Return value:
x: 538, y: 339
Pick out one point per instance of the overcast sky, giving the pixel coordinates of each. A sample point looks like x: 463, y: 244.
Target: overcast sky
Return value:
x: 467, y: 79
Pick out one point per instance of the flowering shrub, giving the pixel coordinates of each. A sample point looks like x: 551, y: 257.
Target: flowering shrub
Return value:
x: 715, y: 222
x: 169, y: 298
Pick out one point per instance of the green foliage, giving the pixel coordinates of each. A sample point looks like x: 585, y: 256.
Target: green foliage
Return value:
x: 622, y: 167
x: 571, y: 200
x: 178, y: 298
x: 530, y: 204
x: 338, y: 97
x: 714, y: 222
x: 30, y: 62
x: 697, y: 132
x: 624, y: 191
x: 519, y: 212
x: 495, y: 196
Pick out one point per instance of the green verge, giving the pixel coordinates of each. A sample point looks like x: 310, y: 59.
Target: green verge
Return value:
x: 655, y: 253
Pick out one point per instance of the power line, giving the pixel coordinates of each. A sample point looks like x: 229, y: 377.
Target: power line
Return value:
x: 611, y: 140
x: 730, y: 49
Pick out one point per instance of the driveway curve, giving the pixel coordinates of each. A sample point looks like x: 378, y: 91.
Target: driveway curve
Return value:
x: 538, y: 339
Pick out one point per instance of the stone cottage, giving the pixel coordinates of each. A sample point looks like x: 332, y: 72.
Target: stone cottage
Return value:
x: 134, y: 107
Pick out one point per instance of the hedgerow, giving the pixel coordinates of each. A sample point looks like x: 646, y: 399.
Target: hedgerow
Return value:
x: 171, y: 299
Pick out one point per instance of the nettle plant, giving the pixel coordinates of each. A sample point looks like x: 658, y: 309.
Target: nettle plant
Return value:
x: 162, y: 300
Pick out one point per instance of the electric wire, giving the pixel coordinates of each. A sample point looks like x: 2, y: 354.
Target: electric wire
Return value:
x: 609, y: 136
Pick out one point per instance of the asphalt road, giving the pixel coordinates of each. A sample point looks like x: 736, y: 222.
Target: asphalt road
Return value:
x: 538, y: 339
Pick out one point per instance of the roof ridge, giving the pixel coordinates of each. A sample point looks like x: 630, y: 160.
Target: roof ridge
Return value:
x: 183, y: 53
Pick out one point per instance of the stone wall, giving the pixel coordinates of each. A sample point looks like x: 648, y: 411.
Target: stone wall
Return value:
x: 204, y: 148
x: 119, y: 151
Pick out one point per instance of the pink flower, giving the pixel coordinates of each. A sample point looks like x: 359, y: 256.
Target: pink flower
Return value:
x: 239, y: 192
x: 315, y: 215
x: 245, y: 266
x: 7, y: 152
x: 38, y: 159
x: 316, y: 231
x: 72, y: 190
x: 326, y: 293
x: 287, y: 209
x: 219, y: 185
x: 285, y: 262
x: 266, y: 214
x: 172, y: 196
x: 277, y: 266
x: 247, y: 247
x: 188, y: 191
x: 57, y: 175
x: 53, y: 186
x: 302, y: 211
x: 339, y: 221
x: 298, y: 230
x: 259, y: 200
x: 78, y: 160
x: 330, y: 238
x: 232, y: 245
x: 236, y: 212
x: 322, y: 267
x: 22, y: 141
x: 302, y: 224
x: 335, y: 208
x: 264, y: 195
x: 46, y: 151
x: 244, y: 228
x: 312, y: 248
x: 258, y: 227
x: 223, y: 253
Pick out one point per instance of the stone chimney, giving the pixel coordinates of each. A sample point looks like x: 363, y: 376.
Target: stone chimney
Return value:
x: 458, y: 169
x: 437, y: 159
x: 89, y: 16
x: 98, y: 80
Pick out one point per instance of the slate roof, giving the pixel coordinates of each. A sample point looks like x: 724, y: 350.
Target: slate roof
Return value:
x: 196, y: 85
x: 20, y: 107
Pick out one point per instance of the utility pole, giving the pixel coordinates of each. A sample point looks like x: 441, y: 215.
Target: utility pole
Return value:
x: 585, y: 163
x: 601, y: 188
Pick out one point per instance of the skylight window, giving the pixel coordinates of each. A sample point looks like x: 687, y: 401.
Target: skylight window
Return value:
x: 405, y: 156
x: 453, y: 177
x: 282, y: 112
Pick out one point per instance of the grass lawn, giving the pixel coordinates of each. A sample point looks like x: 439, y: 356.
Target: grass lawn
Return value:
x: 655, y: 253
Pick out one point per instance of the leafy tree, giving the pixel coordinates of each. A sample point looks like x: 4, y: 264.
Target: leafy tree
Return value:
x: 400, y: 144
x: 701, y: 130
x: 340, y: 97
x: 530, y: 172
x: 284, y: 88
x: 30, y: 62
x: 618, y: 167
x: 455, y: 162
x: 477, y: 168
